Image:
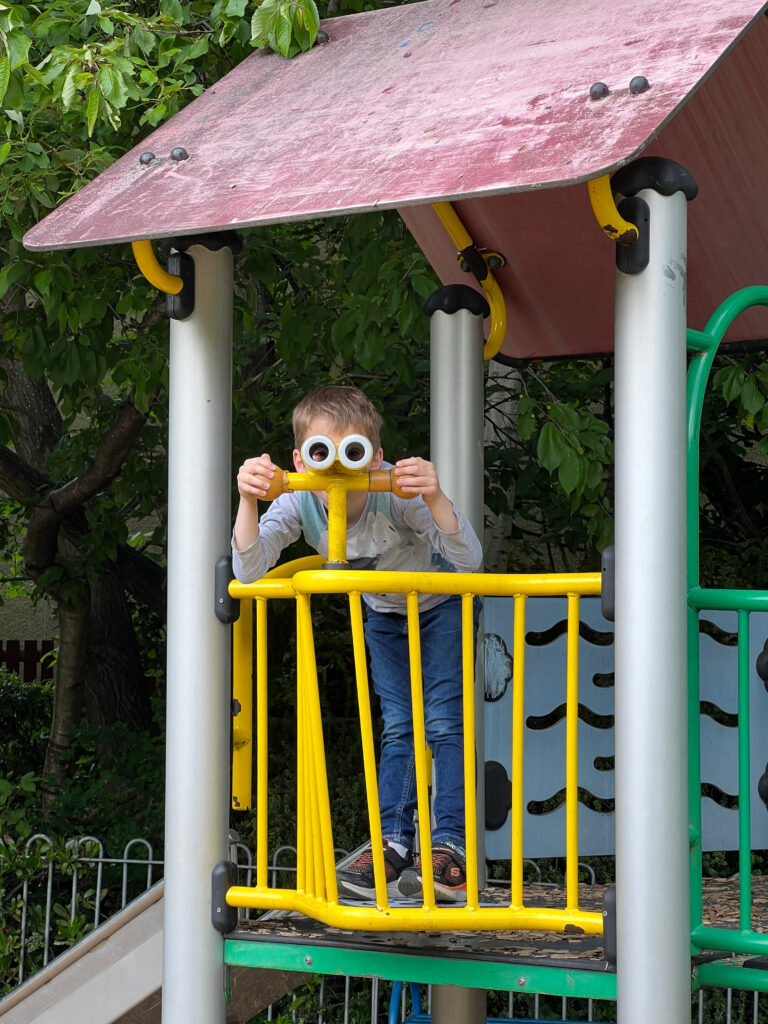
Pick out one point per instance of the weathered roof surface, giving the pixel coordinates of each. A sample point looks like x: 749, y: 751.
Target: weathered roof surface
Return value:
x: 466, y: 100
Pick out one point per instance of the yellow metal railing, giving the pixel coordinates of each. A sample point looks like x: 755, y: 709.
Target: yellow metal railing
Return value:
x: 316, y: 893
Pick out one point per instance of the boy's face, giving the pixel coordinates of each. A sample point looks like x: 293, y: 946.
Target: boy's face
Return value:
x: 326, y: 427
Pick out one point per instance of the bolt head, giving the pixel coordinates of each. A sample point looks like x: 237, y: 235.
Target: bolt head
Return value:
x: 522, y: 982
x: 308, y: 961
x: 639, y: 84
x: 178, y: 153
x: 146, y: 159
x: 598, y: 91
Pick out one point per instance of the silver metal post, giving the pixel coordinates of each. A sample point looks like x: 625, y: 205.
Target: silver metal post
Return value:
x: 653, y: 970
x: 199, y: 487
x: 456, y: 409
x: 456, y: 444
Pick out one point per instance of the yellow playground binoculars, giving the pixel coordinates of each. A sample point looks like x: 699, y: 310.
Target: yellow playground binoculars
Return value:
x: 336, y: 470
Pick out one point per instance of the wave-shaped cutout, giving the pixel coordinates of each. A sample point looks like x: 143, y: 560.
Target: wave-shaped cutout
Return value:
x: 540, y: 638
x: 718, y: 714
x: 720, y: 636
x: 605, y: 763
x: 719, y: 796
x: 602, y: 805
x: 604, y: 680
x: 586, y: 714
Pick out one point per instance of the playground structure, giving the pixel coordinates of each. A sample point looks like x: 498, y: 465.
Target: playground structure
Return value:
x: 515, y: 168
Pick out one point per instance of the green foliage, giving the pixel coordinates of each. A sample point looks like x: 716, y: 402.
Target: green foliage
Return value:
x: 25, y: 717
x: 285, y: 26
x: 116, y: 786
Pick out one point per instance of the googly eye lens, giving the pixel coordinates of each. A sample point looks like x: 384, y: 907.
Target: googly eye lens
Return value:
x: 318, y: 452
x: 355, y: 452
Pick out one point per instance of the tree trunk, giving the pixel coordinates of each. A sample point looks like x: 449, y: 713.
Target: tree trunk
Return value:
x: 67, y: 696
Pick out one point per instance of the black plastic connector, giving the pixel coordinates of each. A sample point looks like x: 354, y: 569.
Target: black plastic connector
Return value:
x: 181, y: 305
x: 223, y: 877
x: 634, y: 258
x: 609, y: 925
x: 608, y: 586
x: 226, y: 608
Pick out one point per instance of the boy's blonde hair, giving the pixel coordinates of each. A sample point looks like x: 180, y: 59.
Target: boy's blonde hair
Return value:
x: 344, y: 407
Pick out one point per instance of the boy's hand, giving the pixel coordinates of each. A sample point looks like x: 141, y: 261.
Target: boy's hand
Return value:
x: 417, y: 476
x: 254, y: 477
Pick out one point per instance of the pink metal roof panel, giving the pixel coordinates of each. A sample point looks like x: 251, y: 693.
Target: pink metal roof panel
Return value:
x: 559, y: 278
x: 437, y: 100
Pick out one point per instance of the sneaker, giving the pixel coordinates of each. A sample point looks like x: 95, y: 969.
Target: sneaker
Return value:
x: 450, y: 876
x: 450, y: 871
x: 357, y: 879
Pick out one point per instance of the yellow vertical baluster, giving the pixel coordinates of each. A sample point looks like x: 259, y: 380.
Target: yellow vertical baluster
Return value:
x: 470, y: 783
x: 420, y: 748
x: 518, y: 721
x: 323, y: 847
x: 301, y: 789
x: 242, y: 694
x: 262, y: 718
x: 572, y: 757
x: 369, y: 753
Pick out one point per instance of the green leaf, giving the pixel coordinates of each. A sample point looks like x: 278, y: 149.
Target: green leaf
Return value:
x: 569, y: 470
x: 92, y: 110
x: 283, y: 34
x: 112, y: 86
x: 5, y: 66
x: 94, y: 7
x: 69, y: 91
x: 751, y: 397
x: 18, y: 47
x: 5, y: 149
x: 551, y: 447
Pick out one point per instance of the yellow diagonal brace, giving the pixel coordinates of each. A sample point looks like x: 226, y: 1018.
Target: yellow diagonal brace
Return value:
x: 606, y: 212
x: 462, y: 240
x: 147, y: 263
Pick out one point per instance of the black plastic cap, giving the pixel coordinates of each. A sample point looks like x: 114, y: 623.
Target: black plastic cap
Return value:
x: 664, y: 176
x: 455, y: 297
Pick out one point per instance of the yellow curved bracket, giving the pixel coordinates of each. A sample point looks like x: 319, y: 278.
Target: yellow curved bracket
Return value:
x: 151, y: 269
x: 462, y: 240
x: 608, y: 217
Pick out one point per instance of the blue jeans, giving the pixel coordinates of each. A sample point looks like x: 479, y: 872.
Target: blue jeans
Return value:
x: 386, y: 635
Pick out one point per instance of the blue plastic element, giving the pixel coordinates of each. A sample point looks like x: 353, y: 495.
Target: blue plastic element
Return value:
x: 394, y: 1002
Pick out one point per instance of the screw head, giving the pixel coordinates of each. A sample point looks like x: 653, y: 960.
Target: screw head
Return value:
x: 522, y: 981
x: 146, y: 158
x: 178, y: 153
x: 639, y: 84
x: 308, y: 961
x: 598, y: 91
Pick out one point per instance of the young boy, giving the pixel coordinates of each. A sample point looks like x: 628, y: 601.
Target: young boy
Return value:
x: 425, y: 533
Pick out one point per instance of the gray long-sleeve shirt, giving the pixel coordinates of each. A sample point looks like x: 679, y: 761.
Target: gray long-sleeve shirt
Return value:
x: 391, y: 534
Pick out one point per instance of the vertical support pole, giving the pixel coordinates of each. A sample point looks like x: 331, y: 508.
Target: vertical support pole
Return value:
x: 457, y: 403
x: 653, y: 961
x: 198, y: 712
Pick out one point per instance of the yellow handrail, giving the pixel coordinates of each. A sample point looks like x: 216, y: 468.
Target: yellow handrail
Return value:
x: 316, y: 892
x: 463, y: 240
